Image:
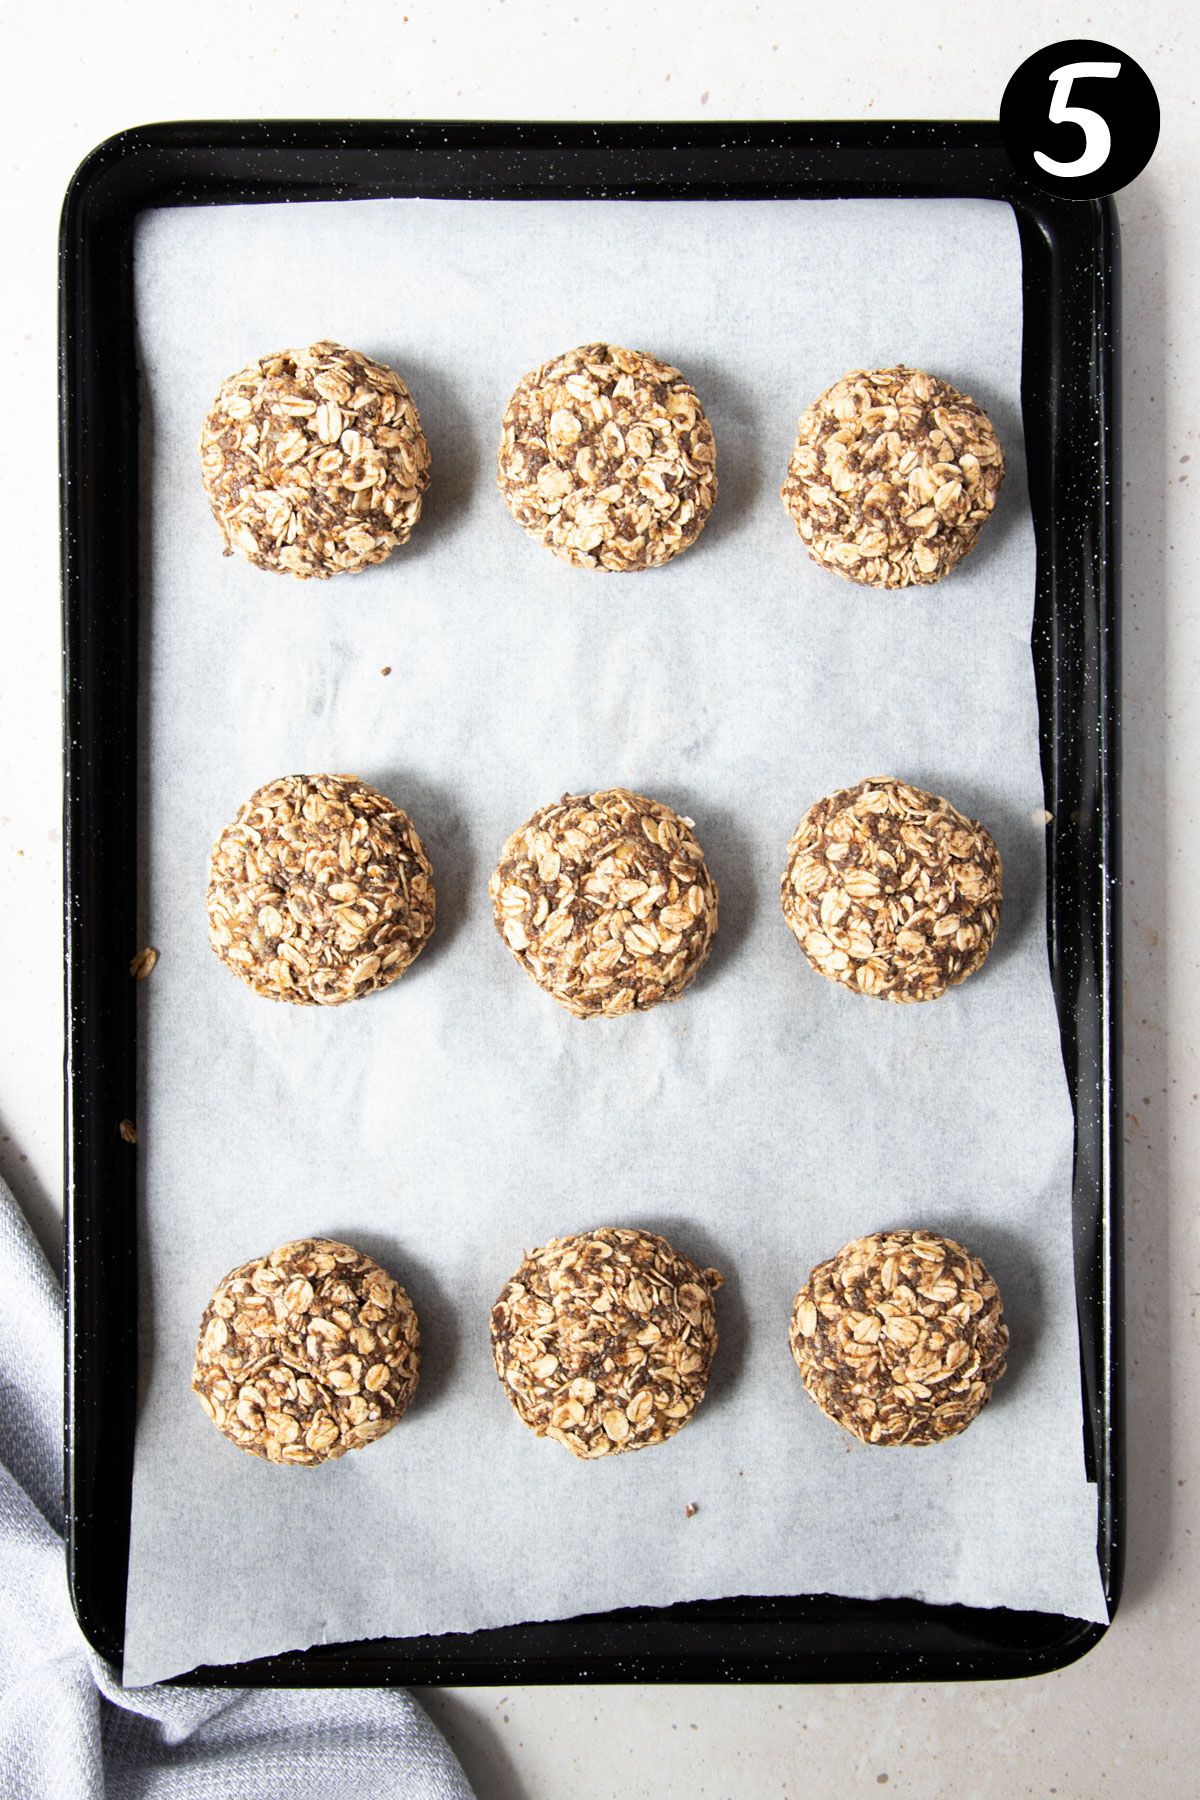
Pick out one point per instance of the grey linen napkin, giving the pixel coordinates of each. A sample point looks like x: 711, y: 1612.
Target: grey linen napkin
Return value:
x: 68, y: 1730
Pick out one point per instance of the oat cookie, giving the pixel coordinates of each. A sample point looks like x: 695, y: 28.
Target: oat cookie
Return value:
x: 604, y: 1340
x: 900, y: 1337
x: 320, y: 891
x: 314, y: 461
x: 606, y: 457
x: 307, y: 1353
x: 605, y: 900
x: 893, y: 477
x: 892, y: 891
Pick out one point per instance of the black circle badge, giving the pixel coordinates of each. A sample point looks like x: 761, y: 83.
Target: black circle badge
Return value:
x: 1080, y: 119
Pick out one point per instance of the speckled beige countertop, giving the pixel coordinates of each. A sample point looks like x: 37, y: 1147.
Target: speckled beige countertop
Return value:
x: 1121, y: 1722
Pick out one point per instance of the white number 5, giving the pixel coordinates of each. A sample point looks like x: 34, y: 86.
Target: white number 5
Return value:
x: 1097, y: 137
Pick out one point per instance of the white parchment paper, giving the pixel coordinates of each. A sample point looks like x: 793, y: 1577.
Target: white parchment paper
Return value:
x: 460, y: 1117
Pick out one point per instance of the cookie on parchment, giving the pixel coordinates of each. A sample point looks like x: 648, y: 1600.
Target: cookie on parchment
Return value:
x: 893, y: 476
x: 307, y: 1353
x: 607, y: 458
x: 604, y: 1340
x: 900, y: 1337
x: 320, y: 891
x: 892, y: 891
x: 314, y: 461
x: 606, y: 902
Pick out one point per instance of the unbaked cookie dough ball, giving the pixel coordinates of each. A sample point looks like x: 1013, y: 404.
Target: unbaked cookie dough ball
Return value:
x: 320, y: 891
x: 307, y: 1353
x: 604, y: 1340
x: 893, y: 477
x: 314, y: 461
x: 605, y: 901
x: 892, y: 891
x: 607, y: 458
x: 900, y: 1337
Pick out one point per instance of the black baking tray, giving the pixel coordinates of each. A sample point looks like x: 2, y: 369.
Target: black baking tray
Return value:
x: 1070, y: 409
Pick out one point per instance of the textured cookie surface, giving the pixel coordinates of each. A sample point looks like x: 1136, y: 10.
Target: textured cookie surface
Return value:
x: 605, y: 900
x: 314, y: 461
x: 307, y: 1353
x: 320, y: 890
x: 900, y: 1337
x: 604, y: 1340
x: 606, y: 456
x: 892, y: 891
x: 893, y: 476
